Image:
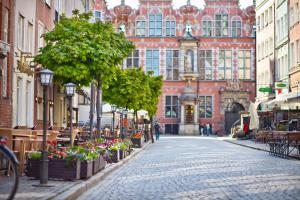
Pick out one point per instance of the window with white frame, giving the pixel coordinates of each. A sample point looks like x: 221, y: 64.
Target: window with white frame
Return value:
x: 133, y: 60
x: 97, y: 15
x: 270, y: 14
x: 207, y: 28
x: 4, y: 77
x: 141, y: 28
x: 29, y: 37
x: 258, y: 23
x: 221, y: 25
x: 5, y: 25
x: 21, y: 31
x: 41, y: 31
x: 266, y: 17
x: 172, y: 61
x: 291, y: 16
x: 152, y: 61
x: 172, y: 107
x: 170, y: 28
x: 244, y: 64
x: 205, y: 107
x: 225, y: 65
x: 292, y: 55
x: 236, y: 28
x: 270, y: 45
x: 155, y: 24
x: 205, y: 61
x: 262, y: 20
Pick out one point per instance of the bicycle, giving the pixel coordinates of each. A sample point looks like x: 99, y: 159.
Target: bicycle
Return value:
x: 9, y: 177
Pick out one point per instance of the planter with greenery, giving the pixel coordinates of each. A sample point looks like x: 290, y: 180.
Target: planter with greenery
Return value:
x: 114, y: 153
x: 33, y: 164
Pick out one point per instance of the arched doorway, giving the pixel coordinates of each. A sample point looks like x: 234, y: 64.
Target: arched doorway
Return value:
x: 232, y: 114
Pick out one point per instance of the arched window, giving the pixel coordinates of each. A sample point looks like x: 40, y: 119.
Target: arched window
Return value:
x: 221, y: 25
x: 170, y: 27
x: 155, y: 24
x: 207, y: 28
x: 141, y: 27
x: 236, y: 27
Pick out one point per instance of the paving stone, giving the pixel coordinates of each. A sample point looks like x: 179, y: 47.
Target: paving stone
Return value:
x: 200, y: 168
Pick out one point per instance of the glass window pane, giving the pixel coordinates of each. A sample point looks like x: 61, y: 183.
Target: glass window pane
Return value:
x: 155, y: 54
x: 136, y: 62
x: 175, y: 74
x: 136, y: 53
x: 129, y: 63
x: 151, y: 17
x: 241, y: 74
x: 169, y: 74
x: 202, y: 101
x: 159, y: 17
x: 168, y: 112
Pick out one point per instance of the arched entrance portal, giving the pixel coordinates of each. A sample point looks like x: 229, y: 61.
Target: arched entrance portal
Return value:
x: 232, y: 114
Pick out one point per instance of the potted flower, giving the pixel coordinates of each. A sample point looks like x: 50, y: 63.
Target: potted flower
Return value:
x: 114, y: 153
x: 123, y: 149
x: 137, y: 139
x: 64, y: 164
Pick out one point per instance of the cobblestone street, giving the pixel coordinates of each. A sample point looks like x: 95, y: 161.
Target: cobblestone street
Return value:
x: 200, y: 168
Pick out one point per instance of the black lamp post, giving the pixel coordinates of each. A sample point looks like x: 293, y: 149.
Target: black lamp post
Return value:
x: 113, y: 110
x: 46, y: 80
x: 125, y: 127
x: 121, y: 121
x: 70, y: 91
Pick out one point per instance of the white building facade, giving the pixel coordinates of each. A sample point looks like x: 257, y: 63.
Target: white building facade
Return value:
x: 265, y: 34
x: 23, y: 83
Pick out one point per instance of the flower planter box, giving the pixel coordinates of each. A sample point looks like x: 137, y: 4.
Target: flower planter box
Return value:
x: 137, y: 142
x: 61, y: 169
x: 115, y: 156
x: 86, y: 169
x: 33, y: 168
x: 96, y: 165
x: 102, y: 163
x: 122, y: 154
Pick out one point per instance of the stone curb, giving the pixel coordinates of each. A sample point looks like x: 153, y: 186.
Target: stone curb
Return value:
x: 77, y: 190
x: 256, y: 148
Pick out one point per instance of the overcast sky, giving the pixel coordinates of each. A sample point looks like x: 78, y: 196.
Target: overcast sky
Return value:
x: 176, y: 3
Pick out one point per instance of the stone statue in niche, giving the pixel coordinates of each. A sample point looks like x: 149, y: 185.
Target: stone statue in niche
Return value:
x: 188, y: 61
x: 188, y: 29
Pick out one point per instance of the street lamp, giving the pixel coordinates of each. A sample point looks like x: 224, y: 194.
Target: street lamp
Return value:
x: 125, y: 117
x: 70, y: 91
x: 121, y: 121
x: 113, y: 110
x: 46, y: 80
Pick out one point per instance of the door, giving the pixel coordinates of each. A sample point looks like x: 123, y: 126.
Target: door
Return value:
x: 232, y: 114
x: 230, y: 118
x: 172, y: 129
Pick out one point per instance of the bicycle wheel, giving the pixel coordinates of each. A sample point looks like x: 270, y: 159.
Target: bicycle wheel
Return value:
x: 9, y: 177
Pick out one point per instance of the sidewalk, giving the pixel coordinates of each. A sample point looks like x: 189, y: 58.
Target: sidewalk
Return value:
x: 67, y: 189
x: 257, y: 146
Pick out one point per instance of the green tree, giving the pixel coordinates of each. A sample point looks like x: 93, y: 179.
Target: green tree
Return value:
x: 150, y: 105
x: 130, y: 89
x: 82, y: 52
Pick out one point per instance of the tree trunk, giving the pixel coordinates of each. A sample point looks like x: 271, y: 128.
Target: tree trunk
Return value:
x: 136, y: 120
x: 92, y: 106
x: 99, y: 107
x: 151, y: 129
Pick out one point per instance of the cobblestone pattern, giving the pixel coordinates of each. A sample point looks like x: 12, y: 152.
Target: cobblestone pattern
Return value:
x: 201, y: 168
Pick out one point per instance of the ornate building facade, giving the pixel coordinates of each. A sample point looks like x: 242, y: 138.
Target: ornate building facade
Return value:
x: 206, y: 57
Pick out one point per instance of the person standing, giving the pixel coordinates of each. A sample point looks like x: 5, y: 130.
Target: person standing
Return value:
x: 157, y: 130
x: 207, y: 129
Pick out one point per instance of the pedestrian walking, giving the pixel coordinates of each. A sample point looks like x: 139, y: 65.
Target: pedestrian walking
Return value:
x: 207, y: 129
x: 157, y: 130
x: 201, y: 129
x: 204, y: 130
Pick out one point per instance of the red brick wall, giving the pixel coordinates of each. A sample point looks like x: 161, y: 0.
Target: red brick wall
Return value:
x: 6, y: 102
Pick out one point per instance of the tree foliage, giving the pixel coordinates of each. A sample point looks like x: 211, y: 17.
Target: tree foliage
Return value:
x: 79, y: 51
x: 129, y: 90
